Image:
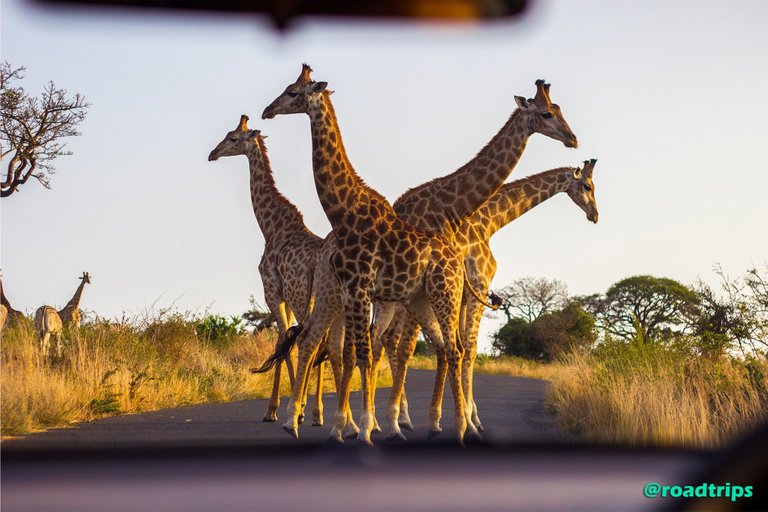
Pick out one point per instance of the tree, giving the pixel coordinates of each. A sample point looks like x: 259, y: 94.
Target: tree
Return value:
x: 32, y: 128
x: 548, y: 336
x: 562, y: 331
x: 739, y: 316
x: 530, y: 297
x: 648, y: 308
x: 257, y: 318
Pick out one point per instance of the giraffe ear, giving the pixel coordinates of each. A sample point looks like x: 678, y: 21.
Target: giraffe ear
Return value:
x: 319, y: 87
x: 522, y: 102
x: 577, y: 173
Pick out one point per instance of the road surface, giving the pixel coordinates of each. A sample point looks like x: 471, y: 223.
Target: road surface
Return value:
x: 512, y: 410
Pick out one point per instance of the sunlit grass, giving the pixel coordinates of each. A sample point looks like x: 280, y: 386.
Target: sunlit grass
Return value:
x: 116, y: 368
x: 646, y: 396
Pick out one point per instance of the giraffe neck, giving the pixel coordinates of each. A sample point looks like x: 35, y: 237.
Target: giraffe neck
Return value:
x: 274, y: 213
x: 74, y: 302
x: 518, y: 197
x: 445, y: 203
x: 339, y: 188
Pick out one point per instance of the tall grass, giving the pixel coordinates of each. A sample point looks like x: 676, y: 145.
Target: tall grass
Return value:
x: 654, y: 394
x: 651, y: 394
x: 127, y: 367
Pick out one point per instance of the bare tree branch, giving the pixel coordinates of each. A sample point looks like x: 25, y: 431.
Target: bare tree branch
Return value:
x: 32, y: 129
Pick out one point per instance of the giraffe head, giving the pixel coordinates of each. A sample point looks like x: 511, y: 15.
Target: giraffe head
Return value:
x: 86, y: 278
x: 235, y: 142
x: 295, y: 98
x: 582, y: 189
x: 546, y: 117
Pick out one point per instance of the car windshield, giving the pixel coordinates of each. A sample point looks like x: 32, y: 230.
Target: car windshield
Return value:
x: 153, y: 255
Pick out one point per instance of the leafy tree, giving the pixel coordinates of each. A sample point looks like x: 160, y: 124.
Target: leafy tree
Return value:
x: 562, y: 331
x: 515, y: 338
x: 530, y: 297
x: 648, y: 308
x: 256, y: 317
x: 548, y: 336
x: 32, y: 128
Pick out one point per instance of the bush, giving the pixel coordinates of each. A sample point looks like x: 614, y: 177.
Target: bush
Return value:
x: 219, y: 329
x: 548, y: 336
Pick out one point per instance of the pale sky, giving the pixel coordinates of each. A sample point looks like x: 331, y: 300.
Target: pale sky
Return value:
x: 668, y: 96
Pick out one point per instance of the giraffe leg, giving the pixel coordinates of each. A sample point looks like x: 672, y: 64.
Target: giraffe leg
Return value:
x: 474, y: 314
x: 383, y: 316
x: 305, y: 386
x: 307, y: 342
x: 391, y: 340
x: 335, y: 347
x: 444, y: 291
x: 348, y: 367
x: 405, y: 351
x: 278, y: 307
x: 436, y: 405
x: 317, y: 412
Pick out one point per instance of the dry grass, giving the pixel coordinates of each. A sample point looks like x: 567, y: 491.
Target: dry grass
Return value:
x: 666, y: 400
x: 123, y: 368
x: 649, y: 395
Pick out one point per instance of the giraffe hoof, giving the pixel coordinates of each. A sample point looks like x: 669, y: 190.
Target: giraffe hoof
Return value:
x: 473, y: 437
x: 351, y: 435
x: 317, y: 423
x: 396, y: 437
x: 407, y: 425
x: 480, y: 427
x: 270, y: 418
x: 376, y: 429
x: 431, y: 434
x: 364, y: 442
x: 293, y: 431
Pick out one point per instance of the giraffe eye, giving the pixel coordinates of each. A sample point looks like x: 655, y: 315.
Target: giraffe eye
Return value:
x: 546, y: 115
x: 292, y: 94
x: 587, y: 187
x: 232, y: 139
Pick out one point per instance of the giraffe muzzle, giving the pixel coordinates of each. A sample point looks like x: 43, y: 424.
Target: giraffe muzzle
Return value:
x: 213, y: 156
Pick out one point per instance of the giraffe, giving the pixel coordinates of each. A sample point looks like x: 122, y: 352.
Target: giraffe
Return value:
x: 509, y: 139
x: 3, y: 317
x: 288, y: 262
x: 48, y: 325
x: 13, y: 316
x: 378, y: 256
x: 70, y: 315
x: 513, y: 200
x: 442, y: 205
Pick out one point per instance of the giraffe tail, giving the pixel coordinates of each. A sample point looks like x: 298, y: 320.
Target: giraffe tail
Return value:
x: 493, y: 304
x: 282, y: 350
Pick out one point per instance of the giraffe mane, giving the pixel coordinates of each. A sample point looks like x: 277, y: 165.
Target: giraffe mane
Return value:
x: 271, y: 178
x: 362, y: 182
x: 536, y: 177
x: 436, y: 181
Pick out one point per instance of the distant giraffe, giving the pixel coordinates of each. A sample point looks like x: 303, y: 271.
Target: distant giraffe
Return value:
x: 3, y: 317
x: 290, y: 251
x: 48, y: 325
x: 13, y: 316
x: 378, y: 257
x: 70, y: 315
x: 513, y: 200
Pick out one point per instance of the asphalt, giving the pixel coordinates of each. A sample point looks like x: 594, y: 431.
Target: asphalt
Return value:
x: 512, y: 410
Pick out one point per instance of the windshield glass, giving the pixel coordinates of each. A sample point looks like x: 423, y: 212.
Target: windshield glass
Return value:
x: 645, y: 324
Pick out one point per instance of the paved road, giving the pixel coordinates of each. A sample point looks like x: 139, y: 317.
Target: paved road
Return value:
x: 511, y: 408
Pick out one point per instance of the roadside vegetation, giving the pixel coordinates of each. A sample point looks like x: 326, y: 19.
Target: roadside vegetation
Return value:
x: 130, y: 366
x: 650, y: 362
